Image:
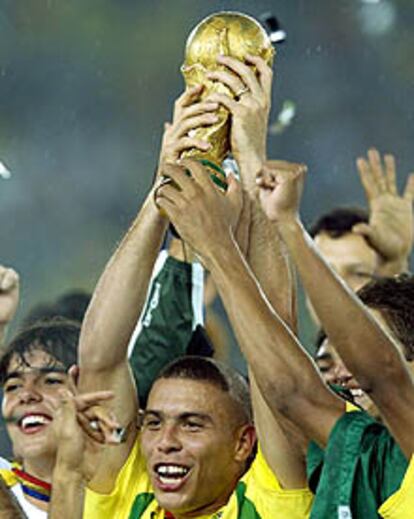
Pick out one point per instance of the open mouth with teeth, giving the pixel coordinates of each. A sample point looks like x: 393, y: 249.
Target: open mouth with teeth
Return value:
x: 170, y: 477
x: 33, y: 423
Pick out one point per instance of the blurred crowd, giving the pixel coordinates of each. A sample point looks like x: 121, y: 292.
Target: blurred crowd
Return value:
x: 122, y: 403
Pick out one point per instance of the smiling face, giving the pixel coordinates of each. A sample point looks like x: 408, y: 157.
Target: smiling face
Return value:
x: 195, y: 445
x: 31, y: 397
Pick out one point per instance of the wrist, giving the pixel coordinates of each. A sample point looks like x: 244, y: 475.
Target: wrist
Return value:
x: 288, y: 224
x: 250, y: 165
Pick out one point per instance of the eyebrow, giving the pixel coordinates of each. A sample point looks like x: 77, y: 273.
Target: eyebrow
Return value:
x: 182, y: 416
x: 41, y: 371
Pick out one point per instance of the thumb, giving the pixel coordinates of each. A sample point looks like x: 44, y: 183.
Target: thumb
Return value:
x: 363, y: 229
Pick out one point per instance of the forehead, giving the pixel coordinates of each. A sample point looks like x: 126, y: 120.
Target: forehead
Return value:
x: 175, y: 396
x: 32, y: 360
x: 347, y: 249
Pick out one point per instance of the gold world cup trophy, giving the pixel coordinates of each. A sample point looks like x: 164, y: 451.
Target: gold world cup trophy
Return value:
x: 228, y: 34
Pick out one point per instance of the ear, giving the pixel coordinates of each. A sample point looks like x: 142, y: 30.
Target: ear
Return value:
x: 245, y: 442
x: 73, y: 373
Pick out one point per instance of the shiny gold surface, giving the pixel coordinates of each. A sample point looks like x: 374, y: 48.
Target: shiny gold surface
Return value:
x: 225, y: 33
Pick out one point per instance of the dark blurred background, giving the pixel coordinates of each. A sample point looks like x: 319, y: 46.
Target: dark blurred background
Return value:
x: 86, y: 85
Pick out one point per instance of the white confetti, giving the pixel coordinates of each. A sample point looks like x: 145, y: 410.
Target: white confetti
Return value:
x: 284, y: 119
x: 4, y: 172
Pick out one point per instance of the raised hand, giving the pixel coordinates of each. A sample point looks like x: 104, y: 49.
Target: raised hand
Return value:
x: 95, y: 420
x: 390, y: 227
x: 280, y: 186
x: 249, y: 109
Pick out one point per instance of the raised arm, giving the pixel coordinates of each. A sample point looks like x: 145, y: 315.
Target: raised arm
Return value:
x: 369, y: 352
x: 109, y: 322
x: 284, y: 372
x: 265, y: 252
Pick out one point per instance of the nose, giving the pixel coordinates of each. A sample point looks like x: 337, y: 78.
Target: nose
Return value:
x: 168, y: 440
x: 341, y: 374
x: 29, y: 393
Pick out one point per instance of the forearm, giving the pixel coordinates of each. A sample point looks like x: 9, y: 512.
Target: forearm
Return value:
x: 367, y: 350
x: 268, y: 258
x: 120, y: 294
x: 68, y: 493
x: 286, y: 375
x: 282, y: 444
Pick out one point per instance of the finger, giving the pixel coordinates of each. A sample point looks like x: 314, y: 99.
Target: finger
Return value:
x: 233, y: 82
x: 265, y: 179
x: 362, y: 229
x: 195, y: 122
x: 99, y: 414
x: 226, y: 101
x: 9, y: 280
x: 170, y: 193
x: 95, y: 434
x: 245, y: 73
x: 180, y: 176
x: 390, y: 174
x: 197, y: 109
x: 169, y: 207
x: 186, y: 143
x: 374, y: 159
x: 409, y: 188
x: 188, y: 96
x: 367, y: 180
x: 199, y: 173
x: 65, y: 417
x: 265, y: 72
x: 283, y: 165
x: 88, y: 400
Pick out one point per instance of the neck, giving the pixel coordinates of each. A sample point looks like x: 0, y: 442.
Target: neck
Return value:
x: 40, y: 467
x: 209, y: 509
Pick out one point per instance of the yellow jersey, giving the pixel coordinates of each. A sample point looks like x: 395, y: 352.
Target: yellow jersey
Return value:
x: 401, y: 504
x: 257, y: 495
